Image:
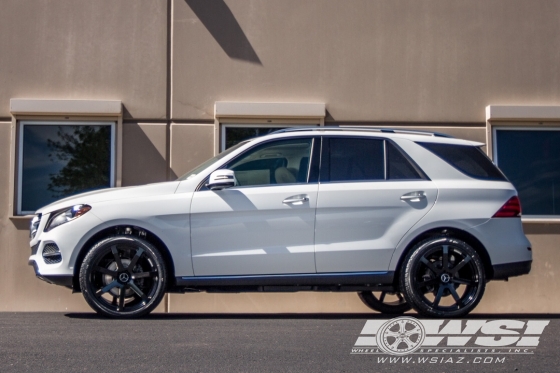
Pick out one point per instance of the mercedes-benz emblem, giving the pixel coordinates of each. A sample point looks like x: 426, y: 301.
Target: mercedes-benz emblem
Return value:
x: 445, y: 278
x: 401, y: 336
x: 124, y: 277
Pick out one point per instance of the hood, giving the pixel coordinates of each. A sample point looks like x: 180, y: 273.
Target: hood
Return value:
x: 111, y: 194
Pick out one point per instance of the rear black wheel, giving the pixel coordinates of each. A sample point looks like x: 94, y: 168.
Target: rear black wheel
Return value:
x: 390, y: 303
x: 123, y: 277
x: 443, y: 277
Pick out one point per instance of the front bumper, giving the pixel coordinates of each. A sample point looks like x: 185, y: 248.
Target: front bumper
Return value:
x: 62, y: 280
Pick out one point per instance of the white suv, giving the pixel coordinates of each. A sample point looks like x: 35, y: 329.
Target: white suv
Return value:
x: 404, y: 218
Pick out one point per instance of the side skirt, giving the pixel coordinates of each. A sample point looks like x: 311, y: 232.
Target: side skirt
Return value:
x: 355, y: 281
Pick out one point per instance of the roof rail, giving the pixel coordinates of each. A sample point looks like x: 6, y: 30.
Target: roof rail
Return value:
x: 365, y: 129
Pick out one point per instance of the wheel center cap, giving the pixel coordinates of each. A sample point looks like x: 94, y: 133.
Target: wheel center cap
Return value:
x: 445, y: 278
x: 124, y: 277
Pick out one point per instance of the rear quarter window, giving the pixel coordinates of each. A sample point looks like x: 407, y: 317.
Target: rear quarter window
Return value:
x: 470, y: 160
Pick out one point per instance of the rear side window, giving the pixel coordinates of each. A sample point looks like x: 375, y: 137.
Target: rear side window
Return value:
x: 399, y: 167
x: 470, y: 160
x: 359, y: 159
x: 355, y: 159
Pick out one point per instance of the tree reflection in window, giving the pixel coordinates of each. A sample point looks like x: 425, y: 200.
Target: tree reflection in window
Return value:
x: 87, y: 153
x: 60, y: 160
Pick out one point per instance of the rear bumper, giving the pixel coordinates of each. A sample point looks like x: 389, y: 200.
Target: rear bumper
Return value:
x: 503, y: 271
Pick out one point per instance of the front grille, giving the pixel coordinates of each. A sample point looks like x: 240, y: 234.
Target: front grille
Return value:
x: 51, y: 254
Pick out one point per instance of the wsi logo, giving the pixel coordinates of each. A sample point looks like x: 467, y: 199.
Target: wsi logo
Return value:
x: 405, y: 335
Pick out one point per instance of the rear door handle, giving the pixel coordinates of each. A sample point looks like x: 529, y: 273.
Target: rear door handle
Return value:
x: 413, y: 196
x: 299, y: 199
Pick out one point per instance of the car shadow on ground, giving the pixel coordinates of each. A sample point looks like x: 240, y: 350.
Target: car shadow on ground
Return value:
x: 310, y: 316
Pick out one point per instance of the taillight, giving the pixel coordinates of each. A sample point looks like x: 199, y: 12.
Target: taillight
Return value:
x: 510, y: 209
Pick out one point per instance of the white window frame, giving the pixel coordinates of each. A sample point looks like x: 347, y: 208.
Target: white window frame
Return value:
x: 263, y: 114
x: 21, y: 126
x: 279, y: 125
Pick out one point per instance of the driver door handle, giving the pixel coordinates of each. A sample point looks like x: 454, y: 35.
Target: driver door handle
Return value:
x: 296, y: 199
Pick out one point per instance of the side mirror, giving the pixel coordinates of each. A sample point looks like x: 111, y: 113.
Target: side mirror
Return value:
x: 221, y: 179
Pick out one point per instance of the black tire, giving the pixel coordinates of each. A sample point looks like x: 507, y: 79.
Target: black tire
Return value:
x: 378, y: 301
x: 443, y: 277
x: 123, y: 277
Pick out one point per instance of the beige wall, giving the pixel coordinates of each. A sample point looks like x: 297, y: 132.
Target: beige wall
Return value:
x: 81, y: 49
x: 401, y: 60
x: 431, y: 64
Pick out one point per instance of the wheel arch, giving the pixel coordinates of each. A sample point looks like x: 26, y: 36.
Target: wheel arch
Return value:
x: 124, y: 229
x: 449, y: 232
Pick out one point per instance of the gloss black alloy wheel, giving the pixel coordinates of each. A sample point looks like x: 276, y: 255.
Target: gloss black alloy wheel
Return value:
x: 123, y: 277
x: 390, y: 303
x: 443, y: 277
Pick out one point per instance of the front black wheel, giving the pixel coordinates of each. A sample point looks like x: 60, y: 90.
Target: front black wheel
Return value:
x: 390, y: 303
x: 123, y: 277
x: 443, y: 277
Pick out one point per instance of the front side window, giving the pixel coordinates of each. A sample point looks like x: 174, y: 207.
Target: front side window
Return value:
x: 57, y: 160
x: 530, y: 158
x: 273, y: 163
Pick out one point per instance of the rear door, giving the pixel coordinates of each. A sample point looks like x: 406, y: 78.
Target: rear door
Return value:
x: 370, y: 195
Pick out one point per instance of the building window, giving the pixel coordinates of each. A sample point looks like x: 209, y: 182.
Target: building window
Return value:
x: 57, y: 160
x: 530, y: 158
x: 233, y: 134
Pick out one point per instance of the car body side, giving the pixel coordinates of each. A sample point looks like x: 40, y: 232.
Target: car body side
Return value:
x: 164, y: 210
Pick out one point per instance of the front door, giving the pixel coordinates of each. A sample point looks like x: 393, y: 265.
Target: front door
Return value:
x: 263, y: 225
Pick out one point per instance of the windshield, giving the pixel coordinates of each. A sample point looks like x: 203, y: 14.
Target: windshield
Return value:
x: 192, y: 173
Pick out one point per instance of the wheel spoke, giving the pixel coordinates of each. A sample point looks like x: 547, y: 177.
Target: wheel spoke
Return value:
x: 144, y: 275
x: 462, y: 281
x: 430, y: 265
x: 460, y: 265
x: 138, y: 291
x: 139, y: 253
x: 121, y: 298
x: 105, y: 271
x: 455, y: 295
x: 107, y: 288
x: 425, y: 284
x: 445, y: 258
x: 439, y: 295
x: 115, y: 252
x: 382, y: 297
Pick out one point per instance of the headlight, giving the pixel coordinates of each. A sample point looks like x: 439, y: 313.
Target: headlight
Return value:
x: 65, y: 215
x: 34, y: 226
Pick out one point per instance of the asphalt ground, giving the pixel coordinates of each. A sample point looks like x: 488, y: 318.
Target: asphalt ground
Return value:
x: 58, y: 342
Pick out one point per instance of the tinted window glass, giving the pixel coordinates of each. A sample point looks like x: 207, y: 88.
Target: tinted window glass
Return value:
x: 398, y: 167
x: 531, y: 160
x: 276, y: 162
x: 353, y: 159
x: 470, y: 160
x: 61, y: 160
